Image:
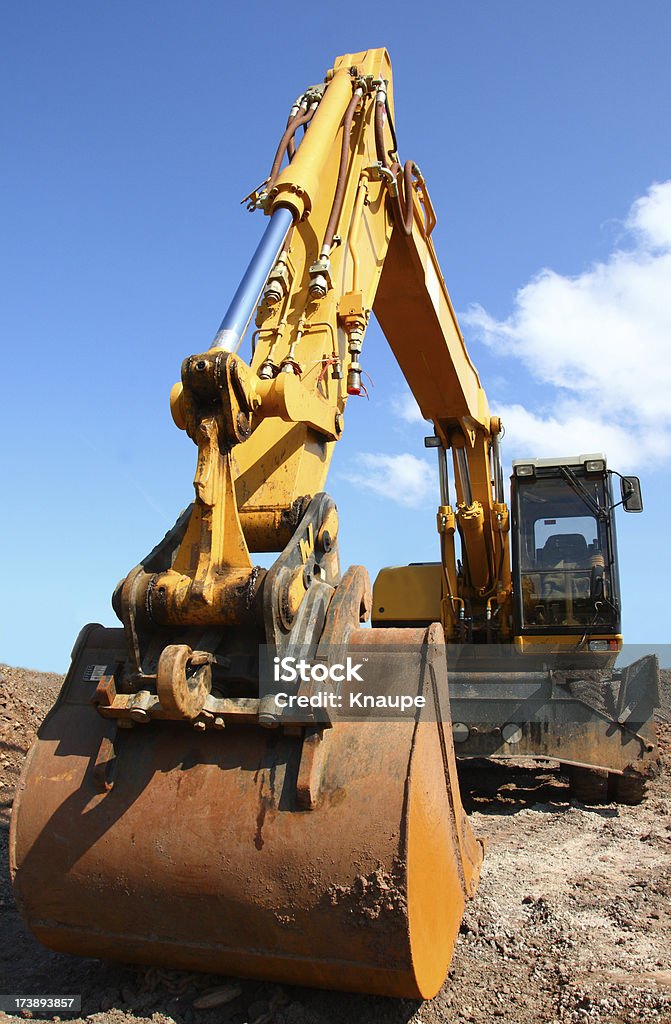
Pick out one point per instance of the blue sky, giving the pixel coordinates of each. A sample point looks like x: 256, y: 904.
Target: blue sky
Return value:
x: 131, y: 130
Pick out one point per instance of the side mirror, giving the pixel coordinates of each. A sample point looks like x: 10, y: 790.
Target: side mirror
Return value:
x: 630, y: 488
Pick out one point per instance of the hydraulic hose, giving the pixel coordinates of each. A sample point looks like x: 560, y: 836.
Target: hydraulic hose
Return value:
x: 403, y: 199
x: 341, y: 182
x: 402, y: 193
x: 289, y: 132
x: 380, y: 107
x: 291, y: 145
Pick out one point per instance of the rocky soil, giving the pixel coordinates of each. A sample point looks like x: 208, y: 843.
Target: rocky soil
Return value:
x: 571, y: 923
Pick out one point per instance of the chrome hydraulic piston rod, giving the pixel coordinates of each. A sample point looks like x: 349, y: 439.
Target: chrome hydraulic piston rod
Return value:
x: 246, y: 298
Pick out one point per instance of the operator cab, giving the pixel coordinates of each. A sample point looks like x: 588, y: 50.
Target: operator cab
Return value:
x: 565, y: 573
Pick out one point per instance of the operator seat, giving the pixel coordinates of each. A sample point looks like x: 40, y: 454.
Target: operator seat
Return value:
x: 565, y: 550
x: 560, y: 552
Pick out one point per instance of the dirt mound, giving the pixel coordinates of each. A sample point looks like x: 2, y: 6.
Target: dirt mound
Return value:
x: 572, y: 921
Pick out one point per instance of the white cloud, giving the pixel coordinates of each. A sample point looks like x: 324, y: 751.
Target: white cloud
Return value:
x: 567, y: 431
x: 405, y: 406
x: 403, y: 478
x: 601, y: 341
x: 651, y: 215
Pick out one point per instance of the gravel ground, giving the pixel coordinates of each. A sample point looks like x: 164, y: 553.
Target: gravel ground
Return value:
x: 571, y: 923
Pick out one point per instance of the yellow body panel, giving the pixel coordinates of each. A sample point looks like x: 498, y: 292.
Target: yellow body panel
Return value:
x: 407, y: 594
x: 531, y: 644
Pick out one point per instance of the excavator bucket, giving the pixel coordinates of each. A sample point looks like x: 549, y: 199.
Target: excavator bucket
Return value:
x: 334, y: 856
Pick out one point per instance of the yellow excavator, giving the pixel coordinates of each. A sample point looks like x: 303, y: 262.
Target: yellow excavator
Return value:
x: 183, y: 804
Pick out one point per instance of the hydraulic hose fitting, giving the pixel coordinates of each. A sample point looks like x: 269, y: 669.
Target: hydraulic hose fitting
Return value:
x: 290, y: 363
x: 273, y: 293
x: 320, y: 275
x: 319, y: 285
x: 354, y: 379
x: 277, y: 285
x: 300, y: 103
x: 355, y: 344
x: 268, y: 370
x: 353, y: 317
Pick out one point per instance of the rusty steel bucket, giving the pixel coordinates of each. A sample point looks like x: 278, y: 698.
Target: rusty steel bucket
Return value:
x: 339, y: 858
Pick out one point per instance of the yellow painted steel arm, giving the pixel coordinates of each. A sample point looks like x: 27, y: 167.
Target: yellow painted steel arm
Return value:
x: 416, y: 314
x: 306, y: 336
x: 345, y: 254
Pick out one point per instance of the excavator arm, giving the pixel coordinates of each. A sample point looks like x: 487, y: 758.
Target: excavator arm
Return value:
x: 417, y: 317
x: 354, y: 236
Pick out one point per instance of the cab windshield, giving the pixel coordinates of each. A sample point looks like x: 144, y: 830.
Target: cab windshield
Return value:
x: 564, y: 559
